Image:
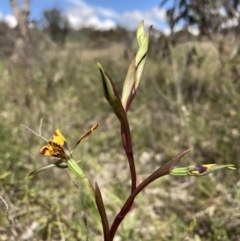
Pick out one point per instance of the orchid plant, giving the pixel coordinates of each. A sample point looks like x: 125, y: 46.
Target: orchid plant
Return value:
x: 58, y: 147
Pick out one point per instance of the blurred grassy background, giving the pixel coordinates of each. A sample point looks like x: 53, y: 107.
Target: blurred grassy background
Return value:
x: 188, y: 97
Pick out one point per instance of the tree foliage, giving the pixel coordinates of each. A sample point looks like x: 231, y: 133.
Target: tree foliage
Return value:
x: 57, y: 25
x: 206, y: 15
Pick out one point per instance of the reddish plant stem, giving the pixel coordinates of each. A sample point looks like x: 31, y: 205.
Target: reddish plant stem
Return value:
x: 127, y: 144
x: 164, y: 170
x: 102, y: 212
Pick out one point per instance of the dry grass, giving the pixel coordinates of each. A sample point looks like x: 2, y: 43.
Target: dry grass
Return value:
x: 66, y: 91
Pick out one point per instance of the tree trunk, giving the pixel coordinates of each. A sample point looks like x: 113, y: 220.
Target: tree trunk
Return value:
x: 21, y: 62
x: 22, y: 44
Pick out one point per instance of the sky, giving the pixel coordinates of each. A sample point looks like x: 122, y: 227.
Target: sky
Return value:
x: 99, y: 14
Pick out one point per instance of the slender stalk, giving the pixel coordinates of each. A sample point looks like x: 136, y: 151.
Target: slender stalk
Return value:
x: 102, y: 212
x: 113, y: 99
x: 164, y: 170
x: 127, y: 144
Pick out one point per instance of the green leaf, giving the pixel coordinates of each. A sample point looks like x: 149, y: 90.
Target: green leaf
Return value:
x: 74, y: 167
x: 39, y: 170
x: 141, y: 57
x: 129, y: 82
x: 107, y: 86
x: 4, y: 175
x: 112, y: 96
x: 136, y: 67
x: 140, y: 32
x: 180, y: 171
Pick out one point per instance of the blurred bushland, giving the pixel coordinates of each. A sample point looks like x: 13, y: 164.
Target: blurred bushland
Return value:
x: 188, y: 97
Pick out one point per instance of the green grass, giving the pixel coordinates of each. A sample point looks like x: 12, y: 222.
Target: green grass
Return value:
x: 179, y: 105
